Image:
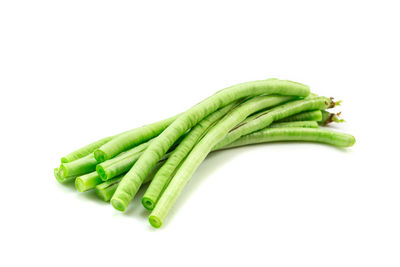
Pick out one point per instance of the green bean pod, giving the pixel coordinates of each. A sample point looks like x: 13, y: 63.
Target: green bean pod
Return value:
x: 135, y: 177
x: 164, y: 175
x: 197, y: 155
x: 213, y: 137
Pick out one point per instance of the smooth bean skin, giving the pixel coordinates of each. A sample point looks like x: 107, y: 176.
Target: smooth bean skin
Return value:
x: 135, y: 177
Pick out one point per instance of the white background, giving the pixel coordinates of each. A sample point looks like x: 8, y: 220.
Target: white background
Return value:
x: 72, y: 72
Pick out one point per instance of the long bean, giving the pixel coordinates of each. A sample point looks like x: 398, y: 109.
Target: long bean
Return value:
x: 163, y: 176
x: 105, y: 190
x: 135, y: 177
x: 209, y: 141
x: 215, y: 135
x: 180, y: 179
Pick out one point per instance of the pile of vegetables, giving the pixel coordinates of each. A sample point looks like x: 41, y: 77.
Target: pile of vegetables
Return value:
x: 167, y: 153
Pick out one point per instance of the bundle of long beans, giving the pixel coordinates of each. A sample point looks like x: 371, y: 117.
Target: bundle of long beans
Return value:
x: 168, y: 152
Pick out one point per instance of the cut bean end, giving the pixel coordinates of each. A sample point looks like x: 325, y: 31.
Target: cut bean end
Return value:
x: 148, y: 203
x: 80, y: 185
x: 155, y: 221
x: 57, y: 175
x: 62, y: 172
x: 118, y: 204
x: 101, y: 172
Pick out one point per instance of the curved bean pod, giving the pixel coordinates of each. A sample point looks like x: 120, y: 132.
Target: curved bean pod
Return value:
x: 105, y: 190
x: 135, y: 177
x: 164, y: 175
x: 197, y: 155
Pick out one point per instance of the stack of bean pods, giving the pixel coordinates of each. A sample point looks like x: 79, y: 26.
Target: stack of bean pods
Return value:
x: 168, y: 152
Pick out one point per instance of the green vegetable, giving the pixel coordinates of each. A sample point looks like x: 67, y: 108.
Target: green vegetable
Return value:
x: 135, y: 177
x: 188, y: 167
x: 163, y: 177
x: 210, y: 140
